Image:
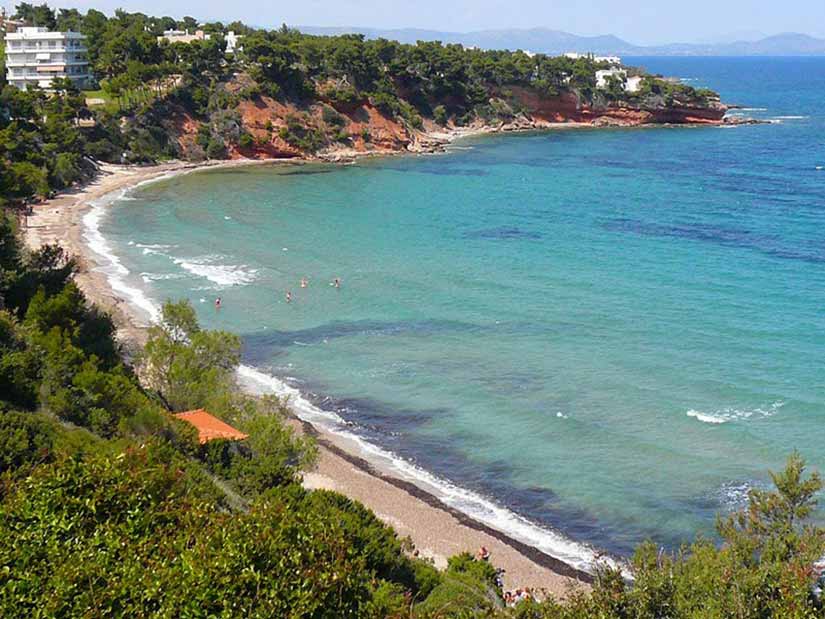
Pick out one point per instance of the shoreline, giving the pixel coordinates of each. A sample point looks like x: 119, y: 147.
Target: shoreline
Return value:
x: 437, y: 529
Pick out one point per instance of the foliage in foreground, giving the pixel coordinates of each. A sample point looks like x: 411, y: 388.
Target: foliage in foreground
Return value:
x: 109, y: 507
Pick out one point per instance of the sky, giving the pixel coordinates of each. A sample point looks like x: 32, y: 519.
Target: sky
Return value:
x: 642, y: 22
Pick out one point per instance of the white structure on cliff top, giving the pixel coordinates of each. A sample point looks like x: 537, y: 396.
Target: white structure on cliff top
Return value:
x: 633, y: 83
x: 630, y: 84
x: 35, y: 56
x: 183, y: 36
x: 233, y: 42
x: 611, y: 59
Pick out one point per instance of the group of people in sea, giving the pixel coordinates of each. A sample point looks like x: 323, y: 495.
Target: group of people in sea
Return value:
x: 335, y: 283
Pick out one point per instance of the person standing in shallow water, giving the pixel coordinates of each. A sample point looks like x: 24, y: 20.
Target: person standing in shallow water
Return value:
x: 218, y: 303
x: 336, y: 282
x: 304, y: 282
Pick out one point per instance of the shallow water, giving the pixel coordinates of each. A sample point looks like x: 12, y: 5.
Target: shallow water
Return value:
x: 613, y: 333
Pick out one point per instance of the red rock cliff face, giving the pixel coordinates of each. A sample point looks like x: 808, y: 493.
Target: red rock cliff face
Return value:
x: 369, y: 131
x: 568, y: 108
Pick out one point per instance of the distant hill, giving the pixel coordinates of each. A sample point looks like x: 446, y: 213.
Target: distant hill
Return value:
x: 557, y: 42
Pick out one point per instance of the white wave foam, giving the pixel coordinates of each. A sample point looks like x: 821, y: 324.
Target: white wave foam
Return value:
x: 157, y: 277
x: 222, y: 275
x: 791, y: 117
x: 157, y: 246
x: 114, y: 270
x: 733, y: 495
x: 753, y: 109
x: 726, y: 415
x: 705, y: 417
x: 552, y: 543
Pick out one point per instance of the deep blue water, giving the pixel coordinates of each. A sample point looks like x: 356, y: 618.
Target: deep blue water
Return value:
x: 614, y: 333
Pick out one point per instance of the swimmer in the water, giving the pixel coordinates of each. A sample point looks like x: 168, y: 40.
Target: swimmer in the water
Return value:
x: 304, y: 282
x: 288, y: 296
x: 337, y: 282
x: 218, y: 303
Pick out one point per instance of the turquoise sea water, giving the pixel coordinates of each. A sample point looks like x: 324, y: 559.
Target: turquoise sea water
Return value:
x: 612, y: 333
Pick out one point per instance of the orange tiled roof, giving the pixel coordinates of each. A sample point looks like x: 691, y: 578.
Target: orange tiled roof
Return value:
x: 209, y: 427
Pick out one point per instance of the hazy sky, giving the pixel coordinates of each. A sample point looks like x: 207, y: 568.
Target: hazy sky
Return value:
x: 638, y: 21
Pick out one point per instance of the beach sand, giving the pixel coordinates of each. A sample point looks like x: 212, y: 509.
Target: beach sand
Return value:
x: 436, y: 530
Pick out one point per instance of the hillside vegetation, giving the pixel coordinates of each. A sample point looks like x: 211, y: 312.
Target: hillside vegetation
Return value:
x: 288, y: 94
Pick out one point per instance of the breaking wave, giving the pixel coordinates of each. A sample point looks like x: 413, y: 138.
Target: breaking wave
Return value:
x: 483, y: 509
x: 726, y: 415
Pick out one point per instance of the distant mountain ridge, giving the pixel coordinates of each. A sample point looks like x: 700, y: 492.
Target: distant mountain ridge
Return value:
x: 550, y: 41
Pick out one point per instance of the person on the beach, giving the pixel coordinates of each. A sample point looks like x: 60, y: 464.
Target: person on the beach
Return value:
x: 288, y: 296
x: 218, y: 303
x: 483, y: 554
x: 304, y: 282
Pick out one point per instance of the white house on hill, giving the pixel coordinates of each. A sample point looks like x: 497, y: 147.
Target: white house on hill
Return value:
x: 35, y: 56
x: 183, y: 36
x: 631, y: 84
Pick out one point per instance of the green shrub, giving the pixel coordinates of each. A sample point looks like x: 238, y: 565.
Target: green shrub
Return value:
x: 345, y: 96
x: 138, y: 535
x: 216, y: 148
x: 246, y: 140
x: 440, y: 115
x: 26, y: 439
x: 333, y: 118
x: 204, y: 136
x: 386, y: 103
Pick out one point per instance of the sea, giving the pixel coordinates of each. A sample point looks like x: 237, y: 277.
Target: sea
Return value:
x: 583, y: 338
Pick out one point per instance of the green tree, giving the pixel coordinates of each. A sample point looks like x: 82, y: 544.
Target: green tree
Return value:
x: 26, y: 440
x: 40, y: 15
x: 184, y: 364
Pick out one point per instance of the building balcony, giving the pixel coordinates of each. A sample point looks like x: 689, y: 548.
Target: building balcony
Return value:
x: 34, y: 62
x: 45, y: 49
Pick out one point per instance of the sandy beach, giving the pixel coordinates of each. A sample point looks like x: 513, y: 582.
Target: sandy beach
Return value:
x: 437, y: 530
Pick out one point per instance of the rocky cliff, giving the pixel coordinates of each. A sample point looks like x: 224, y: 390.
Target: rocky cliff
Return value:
x: 261, y: 127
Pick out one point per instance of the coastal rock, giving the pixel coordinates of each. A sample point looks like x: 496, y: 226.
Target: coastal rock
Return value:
x: 284, y: 130
x: 742, y: 120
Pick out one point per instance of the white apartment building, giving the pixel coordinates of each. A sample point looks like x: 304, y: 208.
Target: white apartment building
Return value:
x: 36, y: 56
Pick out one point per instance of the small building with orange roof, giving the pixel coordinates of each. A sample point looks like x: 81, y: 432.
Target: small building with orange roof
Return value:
x: 210, y: 427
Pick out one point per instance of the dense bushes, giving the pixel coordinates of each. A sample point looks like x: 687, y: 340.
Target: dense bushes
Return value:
x: 41, y: 146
